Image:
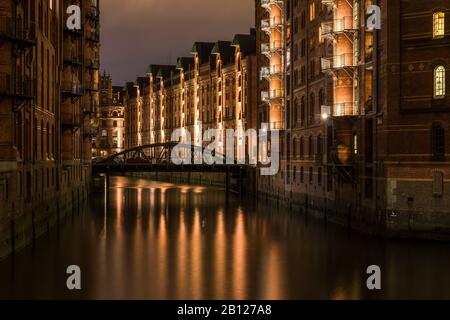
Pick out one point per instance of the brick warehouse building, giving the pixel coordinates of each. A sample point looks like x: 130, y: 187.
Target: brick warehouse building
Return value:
x: 110, y: 137
x: 48, y: 107
x: 216, y: 86
x: 365, y: 112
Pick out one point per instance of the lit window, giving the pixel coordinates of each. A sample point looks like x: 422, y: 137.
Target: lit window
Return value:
x: 439, y: 82
x: 312, y: 11
x: 355, y: 144
x: 438, y: 25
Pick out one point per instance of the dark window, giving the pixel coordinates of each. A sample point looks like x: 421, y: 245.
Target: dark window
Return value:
x: 438, y: 142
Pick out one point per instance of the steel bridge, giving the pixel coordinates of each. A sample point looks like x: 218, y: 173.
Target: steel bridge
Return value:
x: 157, y: 158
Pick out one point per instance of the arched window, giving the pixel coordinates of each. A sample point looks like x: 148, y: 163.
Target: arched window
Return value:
x: 310, y: 146
x: 319, y: 146
x: 321, y: 98
x: 295, y: 112
x: 438, y: 25
x: 295, y: 148
x: 311, y: 107
x: 303, y: 111
x: 47, y: 144
x: 53, y: 141
x: 19, y: 134
x: 439, y: 82
x: 301, y: 148
x: 42, y: 140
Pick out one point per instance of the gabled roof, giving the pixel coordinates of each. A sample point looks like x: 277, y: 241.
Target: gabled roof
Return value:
x: 246, y: 43
x: 165, y: 72
x: 225, y: 50
x: 203, y: 50
x: 154, y: 68
x: 185, y: 63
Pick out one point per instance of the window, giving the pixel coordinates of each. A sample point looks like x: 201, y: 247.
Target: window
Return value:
x: 438, y: 25
x: 438, y: 142
x: 302, y: 148
x: 312, y: 11
x: 439, y: 82
x: 438, y: 184
x: 355, y: 144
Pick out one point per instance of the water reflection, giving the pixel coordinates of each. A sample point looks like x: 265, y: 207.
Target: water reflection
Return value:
x: 161, y: 241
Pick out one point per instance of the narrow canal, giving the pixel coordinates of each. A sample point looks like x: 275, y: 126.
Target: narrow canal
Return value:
x: 157, y: 240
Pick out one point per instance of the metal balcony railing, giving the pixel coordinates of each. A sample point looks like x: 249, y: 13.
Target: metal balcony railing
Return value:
x: 276, y: 94
x: 330, y: 3
x: 274, y: 23
x: 11, y: 28
x: 276, y: 125
x: 269, y: 48
x: 272, y: 71
x: 268, y: 3
x: 336, y: 26
x: 11, y: 87
x: 346, y: 60
x: 265, y: 96
x: 345, y: 109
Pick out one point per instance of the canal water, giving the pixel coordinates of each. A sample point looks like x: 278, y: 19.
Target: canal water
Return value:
x: 157, y: 240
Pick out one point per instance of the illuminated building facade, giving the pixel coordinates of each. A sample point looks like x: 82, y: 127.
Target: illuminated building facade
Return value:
x: 47, y: 117
x: 366, y: 111
x: 215, y: 88
x: 110, y: 138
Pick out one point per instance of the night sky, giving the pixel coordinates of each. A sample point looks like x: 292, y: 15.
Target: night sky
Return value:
x: 135, y: 33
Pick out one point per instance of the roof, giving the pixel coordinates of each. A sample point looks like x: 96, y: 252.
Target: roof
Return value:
x: 203, y: 50
x: 246, y: 43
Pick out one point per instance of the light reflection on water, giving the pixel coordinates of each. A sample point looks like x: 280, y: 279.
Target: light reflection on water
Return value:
x: 163, y: 241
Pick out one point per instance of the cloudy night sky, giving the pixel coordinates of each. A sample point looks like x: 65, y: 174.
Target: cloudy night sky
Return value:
x: 135, y: 33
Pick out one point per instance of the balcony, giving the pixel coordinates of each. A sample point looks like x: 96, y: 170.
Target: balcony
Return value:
x: 276, y: 125
x: 272, y: 71
x: 342, y: 61
x: 275, y: 46
x: 265, y: 96
x: 22, y: 89
x: 330, y: 3
x: 72, y: 58
x: 337, y: 26
x: 69, y: 119
x: 274, y: 23
x: 346, y: 109
x: 267, y: 4
x: 276, y: 94
x: 12, y: 30
x: 72, y: 88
